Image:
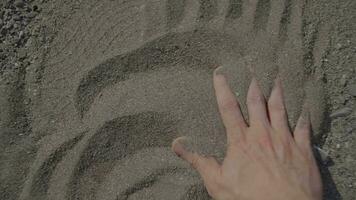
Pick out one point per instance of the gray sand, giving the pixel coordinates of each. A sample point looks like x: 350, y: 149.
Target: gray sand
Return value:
x: 117, y: 81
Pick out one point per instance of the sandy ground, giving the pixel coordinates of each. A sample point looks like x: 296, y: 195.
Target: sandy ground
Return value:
x: 93, y: 92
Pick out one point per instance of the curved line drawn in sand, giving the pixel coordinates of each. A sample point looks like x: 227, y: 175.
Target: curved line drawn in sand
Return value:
x: 116, y: 98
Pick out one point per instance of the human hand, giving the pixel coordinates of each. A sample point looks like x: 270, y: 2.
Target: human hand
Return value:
x: 263, y: 160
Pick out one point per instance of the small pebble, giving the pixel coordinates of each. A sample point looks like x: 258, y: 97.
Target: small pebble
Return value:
x: 338, y: 146
x: 22, y: 53
x: 349, y: 130
x: 19, y: 3
x: 341, y: 112
x: 21, y: 33
x: 324, y: 156
x: 17, y: 17
x: 31, y: 15
x: 338, y: 46
x: 343, y: 80
x: 10, y: 23
x: 342, y: 99
x: 15, y: 27
x: 347, y: 145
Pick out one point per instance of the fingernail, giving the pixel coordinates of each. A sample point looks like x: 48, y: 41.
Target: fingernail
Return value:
x: 218, y: 71
x: 305, y: 115
x: 278, y: 80
x: 254, y: 81
x: 178, y: 149
x: 277, y: 83
x: 183, y: 145
x: 180, y: 146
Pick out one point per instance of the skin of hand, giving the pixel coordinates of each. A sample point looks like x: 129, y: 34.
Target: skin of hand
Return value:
x: 264, y: 160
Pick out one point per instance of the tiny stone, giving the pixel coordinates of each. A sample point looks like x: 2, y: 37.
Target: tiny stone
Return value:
x: 341, y: 112
x: 352, y: 89
x: 349, y: 130
x: 21, y: 34
x: 10, y: 23
x: 338, y: 46
x: 342, y: 100
x: 28, y: 9
x: 26, y: 102
x: 324, y: 156
x: 22, y: 54
x: 19, y: 3
x: 347, y: 144
x: 343, y: 80
x: 338, y: 146
x: 17, y: 17
x: 31, y: 15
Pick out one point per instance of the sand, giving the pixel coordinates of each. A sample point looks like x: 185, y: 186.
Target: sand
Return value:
x: 119, y: 80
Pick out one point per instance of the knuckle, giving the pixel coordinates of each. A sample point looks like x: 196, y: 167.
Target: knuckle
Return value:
x: 229, y: 104
x: 285, y: 146
x: 283, y: 138
x: 265, y: 140
x: 240, y: 141
x: 241, y: 145
x: 211, y: 160
x: 308, y: 153
x: 214, y: 187
x: 305, y: 157
x: 195, y: 162
x: 276, y: 106
x: 303, y: 153
x: 305, y: 130
x: 286, y: 142
x: 254, y: 99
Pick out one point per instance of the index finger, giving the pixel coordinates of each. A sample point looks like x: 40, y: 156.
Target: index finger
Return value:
x: 228, y: 106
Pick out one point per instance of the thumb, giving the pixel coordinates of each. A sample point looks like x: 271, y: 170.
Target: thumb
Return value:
x: 206, y: 166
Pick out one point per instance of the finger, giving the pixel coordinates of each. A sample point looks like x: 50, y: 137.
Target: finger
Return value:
x: 207, y: 167
x: 256, y: 105
x: 302, y: 133
x: 228, y: 106
x: 276, y: 109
